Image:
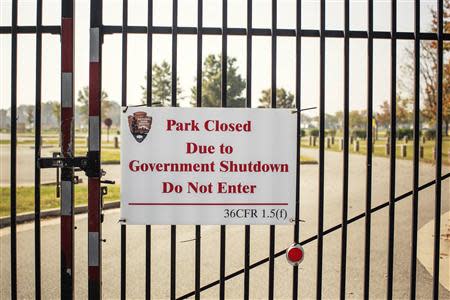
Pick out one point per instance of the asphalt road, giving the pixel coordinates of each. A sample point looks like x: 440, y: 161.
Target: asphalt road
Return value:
x: 259, y: 245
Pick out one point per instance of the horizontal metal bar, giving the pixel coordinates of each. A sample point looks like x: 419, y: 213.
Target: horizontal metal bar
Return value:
x: 314, y: 237
x: 31, y: 29
x: 112, y: 29
x: 268, y: 32
x: 108, y: 29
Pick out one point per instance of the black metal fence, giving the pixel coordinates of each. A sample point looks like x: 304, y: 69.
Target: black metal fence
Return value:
x: 249, y: 32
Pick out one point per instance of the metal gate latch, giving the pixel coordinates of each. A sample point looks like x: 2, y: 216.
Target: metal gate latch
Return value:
x: 104, y: 192
x: 90, y: 163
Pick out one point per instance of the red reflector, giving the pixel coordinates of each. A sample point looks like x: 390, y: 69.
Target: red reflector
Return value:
x: 295, y: 254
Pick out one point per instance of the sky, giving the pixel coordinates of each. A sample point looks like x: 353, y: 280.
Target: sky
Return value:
x: 187, y: 12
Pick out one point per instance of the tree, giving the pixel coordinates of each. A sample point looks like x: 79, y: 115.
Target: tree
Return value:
x: 211, y: 83
x: 428, y: 72
x: 358, y: 119
x: 56, y: 111
x: 331, y: 121
x: 404, y: 112
x: 306, y: 120
x: 161, y: 85
x: 108, y: 122
x: 284, y: 99
x: 339, y: 115
x: 83, y: 100
x: 29, y: 114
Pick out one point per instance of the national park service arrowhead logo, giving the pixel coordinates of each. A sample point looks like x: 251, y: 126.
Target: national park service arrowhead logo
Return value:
x: 140, y: 125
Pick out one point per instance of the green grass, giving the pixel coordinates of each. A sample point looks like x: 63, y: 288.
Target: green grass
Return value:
x: 109, y: 155
x: 25, y: 197
x: 379, y: 149
x: 307, y: 160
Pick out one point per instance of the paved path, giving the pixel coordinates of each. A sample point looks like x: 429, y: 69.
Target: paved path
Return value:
x: 259, y: 245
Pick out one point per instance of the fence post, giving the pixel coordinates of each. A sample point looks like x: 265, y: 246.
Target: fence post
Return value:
x: 403, y: 150
x: 67, y: 140
x: 356, y: 146
x: 387, y: 149
x: 94, y: 197
x: 421, y: 152
x: 116, y: 142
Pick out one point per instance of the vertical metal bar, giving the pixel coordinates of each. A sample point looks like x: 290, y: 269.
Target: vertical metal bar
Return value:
x: 224, y: 53
x: 298, y: 78
x: 67, y: 151
x: 199, y: 52
x: 123, y: 261
x: 222, y: 261
x: 248, y: 105
x: 37, y: 154
x: 173, y: 261
x: 224, y: 104
x: 13, y: 151
x: 123, y: 227
x: 321, y: 152
x: 148, y: 255
x: 393, y: 136
x: 198, y: 229
x: 346, y: 137
x: 149, y: 51
x: 174, y: 51
x: 94, y: 147
x: 148, y: 228
x: 415, y: 199
x: 173, y: 228
x: 369, y: 148
x: 273, y: 90
x: 249, y: 52
x: 437, y: 204
x: 197, y: 260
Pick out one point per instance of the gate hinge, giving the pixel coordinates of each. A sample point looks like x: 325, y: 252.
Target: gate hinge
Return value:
x: 90, y: 164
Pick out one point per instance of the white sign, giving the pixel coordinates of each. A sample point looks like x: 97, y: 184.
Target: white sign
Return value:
x: 208, y: 165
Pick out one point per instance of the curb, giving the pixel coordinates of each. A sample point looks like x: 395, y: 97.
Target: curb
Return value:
x: 48, y: 213
x: 314, y: 162
x: 425, y: 251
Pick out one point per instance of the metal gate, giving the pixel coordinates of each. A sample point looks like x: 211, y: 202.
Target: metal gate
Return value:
x: 91, y: 162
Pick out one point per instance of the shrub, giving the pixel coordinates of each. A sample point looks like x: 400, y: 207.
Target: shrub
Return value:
x: 314, y: 132
x: 331, y: 132
x: 302, y: 132
x: 430, y: 134
x: 359, y: 133
x: 404, y: 132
